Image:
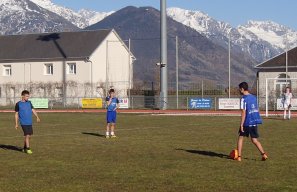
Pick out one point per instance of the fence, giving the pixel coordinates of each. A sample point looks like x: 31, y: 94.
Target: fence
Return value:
x: 134, y: 102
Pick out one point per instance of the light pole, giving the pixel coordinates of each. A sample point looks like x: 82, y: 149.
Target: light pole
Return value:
x: 176, y: 67
x: 163, y: 63
x: 229, y: 58
x: 88, y: 60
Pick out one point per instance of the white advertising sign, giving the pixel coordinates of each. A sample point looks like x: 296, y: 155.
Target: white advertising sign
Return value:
x: 229, y: 103
x: 124, y: 103
x: 280, y: 105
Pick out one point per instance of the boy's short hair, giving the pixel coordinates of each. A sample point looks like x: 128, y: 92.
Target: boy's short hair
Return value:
x: 25, y: 92
x: 244, y: 86
x: 111, y: 91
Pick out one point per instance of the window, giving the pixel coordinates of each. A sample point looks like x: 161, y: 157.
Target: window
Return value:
x: 48, y: 69
x: 71, y: 68
x: 7, y: 70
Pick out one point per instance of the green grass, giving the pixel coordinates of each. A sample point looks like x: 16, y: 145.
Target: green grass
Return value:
x: 152, y: 153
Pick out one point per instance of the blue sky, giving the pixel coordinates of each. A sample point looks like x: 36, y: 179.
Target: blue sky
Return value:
x: 235, y: 12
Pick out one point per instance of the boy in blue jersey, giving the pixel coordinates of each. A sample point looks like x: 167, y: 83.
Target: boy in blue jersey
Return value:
x: 23, y: 114
x: 111, y: 115
x: 250, y: 118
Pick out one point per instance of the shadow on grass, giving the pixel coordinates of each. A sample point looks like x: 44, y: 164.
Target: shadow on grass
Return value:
x: 210, y: 154
x: 93, y: 134
x: 11, y: 147
x: 206, y: 153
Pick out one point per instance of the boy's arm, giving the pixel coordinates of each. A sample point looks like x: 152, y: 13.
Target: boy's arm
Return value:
x: 109, y: 100
x: 118, y: 104
x: 36, y: 115
x: 242, y: 119
x: 16, y: 116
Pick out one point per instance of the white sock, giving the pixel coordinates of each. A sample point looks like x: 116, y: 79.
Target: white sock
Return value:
x: 107, y: 133
x: 112, y: 133
x: 285, y: 114
x: 289, y: 114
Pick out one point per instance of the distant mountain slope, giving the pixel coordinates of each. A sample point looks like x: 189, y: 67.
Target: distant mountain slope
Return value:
x: 199, y: 57
x: 24, y: 16
x: 260, y: 39
x: 81, y: 19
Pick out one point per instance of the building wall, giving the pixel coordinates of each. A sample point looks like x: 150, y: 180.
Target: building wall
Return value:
x: 31, y: 75
x: 112, y: 63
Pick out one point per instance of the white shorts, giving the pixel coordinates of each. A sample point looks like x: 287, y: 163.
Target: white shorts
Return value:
x: 286, y: 105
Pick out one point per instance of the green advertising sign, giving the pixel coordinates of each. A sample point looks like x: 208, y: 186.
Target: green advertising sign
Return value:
x: 39, y: 103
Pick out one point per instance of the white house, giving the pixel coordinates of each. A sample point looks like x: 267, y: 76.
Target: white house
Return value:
x: 275, y: 75
x: 64, y: 65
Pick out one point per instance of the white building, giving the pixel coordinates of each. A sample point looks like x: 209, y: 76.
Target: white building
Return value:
x: 275, y: 75
x: 65, y: 64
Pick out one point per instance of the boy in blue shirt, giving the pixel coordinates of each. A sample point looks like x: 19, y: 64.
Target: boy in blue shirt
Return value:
x: 111, y: 115
x: 250, y: 118
x: 23, y: 114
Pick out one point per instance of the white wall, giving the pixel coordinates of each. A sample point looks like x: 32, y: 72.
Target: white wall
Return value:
x: 26, y: 72
x: 119, y: 70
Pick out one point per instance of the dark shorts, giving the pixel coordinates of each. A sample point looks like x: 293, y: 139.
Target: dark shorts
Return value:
x: 111, y: 116
x: 27, y: 129
x: 249, y: 131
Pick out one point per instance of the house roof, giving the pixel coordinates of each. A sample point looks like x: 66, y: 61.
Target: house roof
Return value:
x: 279, y: 62
x: 43, y: 46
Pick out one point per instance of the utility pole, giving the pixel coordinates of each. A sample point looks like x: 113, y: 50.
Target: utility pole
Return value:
x: 176, y: 67
x: 229, y: 56
x: 163, y: 63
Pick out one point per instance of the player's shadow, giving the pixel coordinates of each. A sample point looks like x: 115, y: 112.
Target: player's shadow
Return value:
x: 205, y: 153
x: 93, y: 134
x: 11, y: 147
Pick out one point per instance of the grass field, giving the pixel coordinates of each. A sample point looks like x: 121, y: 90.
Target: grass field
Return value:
x: 152, y: 153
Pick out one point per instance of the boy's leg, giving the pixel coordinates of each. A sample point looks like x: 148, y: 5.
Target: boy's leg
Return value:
x: 285, y: 113
x: 114, y: 118
x: 107, y: 129
x: 112, y: 129
x: 27, y: 141
x: 258, y: 145
x: 289, y: 111
x: 260, y: 148
x: 27, y: 145
x: 239, y: 147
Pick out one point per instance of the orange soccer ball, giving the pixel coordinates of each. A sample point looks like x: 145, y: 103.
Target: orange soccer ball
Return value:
x: 233, y: 154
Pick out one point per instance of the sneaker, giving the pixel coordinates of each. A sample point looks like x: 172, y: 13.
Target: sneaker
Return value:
x: 264, y: 157
x: 113, y: 136
x: 107, y: 136
x: 28, y: 151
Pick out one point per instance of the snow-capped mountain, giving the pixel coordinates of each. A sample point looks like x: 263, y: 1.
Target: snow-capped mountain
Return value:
x: 24, y: 16
x: 81, y: 19
x: 93, y: 16
x: 261, y: 39
x: 274, y: 33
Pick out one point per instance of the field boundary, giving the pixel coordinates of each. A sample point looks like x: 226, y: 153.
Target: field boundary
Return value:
x: 157, y: 112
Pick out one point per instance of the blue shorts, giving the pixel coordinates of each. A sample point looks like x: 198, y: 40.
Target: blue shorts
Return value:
x: 249, y: 131
x: 111, y: 116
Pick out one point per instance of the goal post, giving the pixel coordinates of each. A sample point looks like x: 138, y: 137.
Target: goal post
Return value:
x: 270, y: 96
